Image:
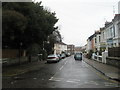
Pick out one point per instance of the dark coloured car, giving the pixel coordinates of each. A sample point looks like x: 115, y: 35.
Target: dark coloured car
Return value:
x: 78, y: 56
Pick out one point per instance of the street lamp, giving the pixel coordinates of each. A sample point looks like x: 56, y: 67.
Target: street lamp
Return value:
x: 20, y: 51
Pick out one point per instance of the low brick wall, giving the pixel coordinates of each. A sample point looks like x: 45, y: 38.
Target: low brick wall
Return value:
x: 13, y: 61
x: 114, y: 61
x: 10, y: 53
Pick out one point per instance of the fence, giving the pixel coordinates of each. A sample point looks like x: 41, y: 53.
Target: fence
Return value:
x: 15, y: 56
x: 97, y: 57
x: 114, y: 52
x: 114, y: 61
x: 13, y: 61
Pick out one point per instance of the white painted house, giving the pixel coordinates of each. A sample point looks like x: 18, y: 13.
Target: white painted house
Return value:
x: 110, y: 34
x: 97, y: 40
x: 103, y: 38
x: 60, y: 47
x: 116, y: 26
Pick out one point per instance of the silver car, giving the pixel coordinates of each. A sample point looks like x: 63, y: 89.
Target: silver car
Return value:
x: 52, y: 58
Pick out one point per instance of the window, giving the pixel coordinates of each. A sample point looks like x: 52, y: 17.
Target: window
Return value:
x: 103, y: 35
x: 95, y: 40
x: 111, y: 32
x: 99, y: 38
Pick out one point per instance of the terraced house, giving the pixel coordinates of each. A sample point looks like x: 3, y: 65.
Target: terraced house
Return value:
x: 60, y: 47
x: 105, y: 43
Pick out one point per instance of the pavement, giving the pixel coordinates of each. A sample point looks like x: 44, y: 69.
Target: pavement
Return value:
x: 110, y: 71
x: 11, y: 71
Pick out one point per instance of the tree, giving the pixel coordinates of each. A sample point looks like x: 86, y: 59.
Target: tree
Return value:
x: 14, y: 25
x: 38, y: 24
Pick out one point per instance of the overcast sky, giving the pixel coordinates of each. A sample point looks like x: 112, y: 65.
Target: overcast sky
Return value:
x: 78, y: 19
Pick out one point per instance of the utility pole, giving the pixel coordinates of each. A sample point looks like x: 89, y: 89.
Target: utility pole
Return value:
x: 20, y: 52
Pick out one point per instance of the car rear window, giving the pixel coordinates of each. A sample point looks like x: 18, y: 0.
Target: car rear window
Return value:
x: 78, y: 55
x: 52, y: 56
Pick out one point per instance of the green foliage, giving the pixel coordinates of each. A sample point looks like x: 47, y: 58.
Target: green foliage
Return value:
x: 12, y: 30
x: 27, y: 22
x: 34, y: 49
x: 89, y: 55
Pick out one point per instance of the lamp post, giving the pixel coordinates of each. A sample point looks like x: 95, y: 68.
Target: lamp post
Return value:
x: 43, y: 45
x: 20, y: 51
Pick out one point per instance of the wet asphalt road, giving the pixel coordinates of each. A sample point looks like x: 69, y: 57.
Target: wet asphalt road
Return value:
x: 67, y: 73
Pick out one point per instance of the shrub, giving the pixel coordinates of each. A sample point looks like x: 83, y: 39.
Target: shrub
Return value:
x: 89, y: 55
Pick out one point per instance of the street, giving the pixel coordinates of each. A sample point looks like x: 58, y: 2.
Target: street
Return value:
x: 66, y: 73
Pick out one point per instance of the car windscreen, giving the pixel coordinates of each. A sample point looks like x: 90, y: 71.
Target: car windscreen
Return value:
x: 78, y: 55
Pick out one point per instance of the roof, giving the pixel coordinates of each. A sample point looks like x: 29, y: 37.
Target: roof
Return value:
x: 60, y: 43
x: 107, y: 24
x: 117, y: 17
x: 90, y: 38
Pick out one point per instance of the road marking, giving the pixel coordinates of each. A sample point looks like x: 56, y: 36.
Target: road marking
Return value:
x: 72, y: 81
x: 66, y: 62
x: 51, y: 78
x: 56, y: 80
x: 110, y: 84
x: 61, y: 68
x: 34, y: 78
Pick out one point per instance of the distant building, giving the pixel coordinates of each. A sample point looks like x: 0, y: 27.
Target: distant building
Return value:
x: 70, y: 49
x: 83, y: 48
x: 60, y: 47
x: 78, y: 49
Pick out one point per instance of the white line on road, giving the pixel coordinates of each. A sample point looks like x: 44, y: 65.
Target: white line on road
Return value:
x: 56, y: 80
x: 61, y: 68
x: 66, y: 62
x: 71, y: 81
x: 74, y: 80
x: 51, y: 78
x: 63, y: 65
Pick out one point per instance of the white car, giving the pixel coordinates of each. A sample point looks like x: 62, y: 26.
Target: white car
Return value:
x: 53, y: 58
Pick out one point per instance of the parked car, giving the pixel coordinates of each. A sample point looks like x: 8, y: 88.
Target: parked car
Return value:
x: 59, y: 55
x: 63, y: 55
x: 68, y: 54
x: 52, y: 58
x: 78, y: 56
